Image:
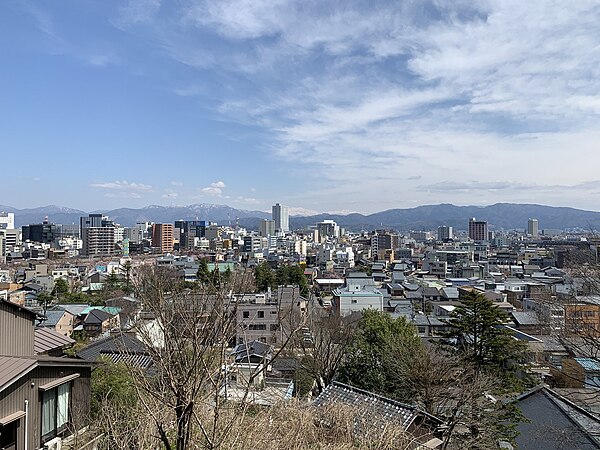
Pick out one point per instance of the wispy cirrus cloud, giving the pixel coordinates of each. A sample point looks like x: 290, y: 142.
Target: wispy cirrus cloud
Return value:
x: 388, y: 100
x: 122, y: 186
x: 122, y: 189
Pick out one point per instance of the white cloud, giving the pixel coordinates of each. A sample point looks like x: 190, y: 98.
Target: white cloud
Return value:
x: 215, y: 188
x: 381, y: 102
x: 170, y: 194
x: 122, y: 185
x: 176, y: 183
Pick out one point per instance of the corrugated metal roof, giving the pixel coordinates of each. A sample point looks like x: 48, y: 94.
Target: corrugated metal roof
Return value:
x: 46, y: 339
x: 13, y: 367
x: 589, y: 364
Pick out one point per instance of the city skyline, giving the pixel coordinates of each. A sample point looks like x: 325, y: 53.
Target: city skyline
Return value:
x: 109, y: 105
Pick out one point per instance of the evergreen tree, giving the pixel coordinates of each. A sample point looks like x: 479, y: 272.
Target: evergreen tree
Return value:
x: 476, y: 331
x: 203, y: 274
x: 264, y: 277
x: 216, y: 276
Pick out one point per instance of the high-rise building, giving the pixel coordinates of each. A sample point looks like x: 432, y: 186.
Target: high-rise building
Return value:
x: 40, y: 232
x: 7, y: 221
x: 98, y: 241
x: 328, y: 228
x: 162, y: 236
x: 445, y: 233
x: 280, y: 215
x: 532, y: 227
x: 97, y: 235
x: 478, y: 230
x: 266, y: 228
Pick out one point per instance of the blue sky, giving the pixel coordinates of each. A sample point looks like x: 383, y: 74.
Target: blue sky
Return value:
x: 321, y: 105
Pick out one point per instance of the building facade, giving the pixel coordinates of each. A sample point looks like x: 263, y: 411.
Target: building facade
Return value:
x: 280, y: 215
x: 478, y: 230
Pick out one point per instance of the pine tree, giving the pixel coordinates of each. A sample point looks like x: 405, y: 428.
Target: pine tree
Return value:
x: 476, y: 330
x: 203, y: 274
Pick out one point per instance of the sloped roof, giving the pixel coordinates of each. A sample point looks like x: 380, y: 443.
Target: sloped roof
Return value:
x: 12, y: 368
x: 119, y: 343
x: 525, y: 317
x: 555, y: 423
x: 97, y: 316
x: 141, y: 360
x: 46, y: 339
x: 371, y: 407
x: 52, y: 318
x: 244, y: 350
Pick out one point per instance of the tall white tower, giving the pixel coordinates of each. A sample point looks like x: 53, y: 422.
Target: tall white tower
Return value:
x: 532, y: 227
x: 280, y: 215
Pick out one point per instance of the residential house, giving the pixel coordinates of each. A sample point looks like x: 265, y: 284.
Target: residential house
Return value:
x: 553, y: 422
x: 98, y: 321
x: 60, y: 321
x: 43, y: 399
x: 358, y: 293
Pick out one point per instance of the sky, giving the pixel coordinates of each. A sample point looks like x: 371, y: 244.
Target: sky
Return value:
x: 328, y: 106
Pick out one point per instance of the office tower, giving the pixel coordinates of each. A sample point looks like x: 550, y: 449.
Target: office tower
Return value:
x: 7, y: 221
x: 280, y: 215
x: 266, y: 228
x: 162, y: 236
x: 328, y: 228
x: 97, y: 235
x: 91, y: 221
x: 40, y: 232
x: 478, y: 229
x: 532, y: 227
x: 445, y: 233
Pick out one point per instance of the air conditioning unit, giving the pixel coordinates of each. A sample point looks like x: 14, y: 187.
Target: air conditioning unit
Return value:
x: 54, y: 444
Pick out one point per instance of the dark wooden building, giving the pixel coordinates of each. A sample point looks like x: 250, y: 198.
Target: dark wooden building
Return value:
x: 43, y: 399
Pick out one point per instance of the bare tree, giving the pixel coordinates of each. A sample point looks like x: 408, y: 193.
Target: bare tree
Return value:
x: 321, y: 350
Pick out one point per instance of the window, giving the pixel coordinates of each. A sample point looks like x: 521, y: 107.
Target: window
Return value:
x: 8, y: 435
x: 274, y: 327
x: 258, y: 327
x: 260, y: 314
x: 55, y: 410
x: 246, y: 314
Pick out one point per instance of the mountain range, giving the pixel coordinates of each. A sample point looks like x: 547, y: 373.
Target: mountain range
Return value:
x: 427, y: 217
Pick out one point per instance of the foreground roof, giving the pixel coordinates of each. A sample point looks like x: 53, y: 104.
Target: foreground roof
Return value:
x: 555, y: 423
x: 46, y: 339
x: 372, y: 407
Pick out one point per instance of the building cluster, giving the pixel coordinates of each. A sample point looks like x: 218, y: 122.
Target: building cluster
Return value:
x: 421, y: 275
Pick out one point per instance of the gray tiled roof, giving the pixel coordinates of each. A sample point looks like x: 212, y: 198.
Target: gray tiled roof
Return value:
x: 371, y: 407
x: 122, y: 343
x: 52, y: 318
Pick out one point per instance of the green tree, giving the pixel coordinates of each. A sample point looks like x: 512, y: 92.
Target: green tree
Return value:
x: 216, y: 276
x: 227, y: 275
x: 264, y: 277
x: 203, y: 274
x: 61, y: 288
x: 476, y: 332
x: 366, y: 365
x: 127, y: 268
x: 114, y: 402
x: 292, y: 274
